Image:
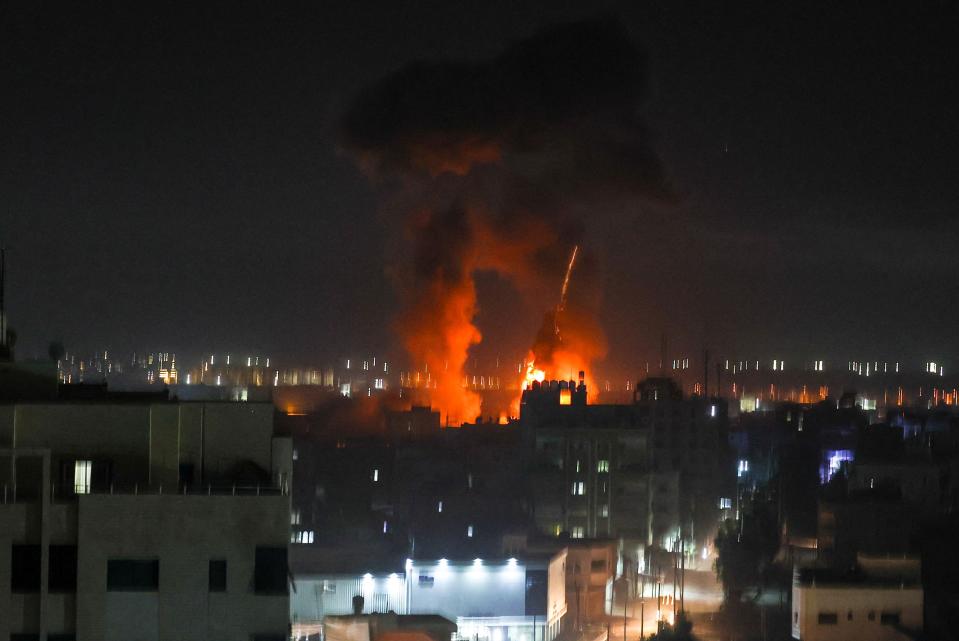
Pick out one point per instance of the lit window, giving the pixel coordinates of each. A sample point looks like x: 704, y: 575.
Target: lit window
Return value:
x: 712, y: 411
x: 557, y: 529
x: 577, y: 466
x: 469, y: 531
x: 376, y: 475
x: 576, y: 532
x: 386, y: 527
x: 579, y: 488
x: 296, y: 455
x: 743, y: 467
x: 565, y: 397
x: 295, y: 517
x: 602, y: 466
x: 725, y: 503
x: 604, y: 511
x: 439, y: 506
x: 81, y: 477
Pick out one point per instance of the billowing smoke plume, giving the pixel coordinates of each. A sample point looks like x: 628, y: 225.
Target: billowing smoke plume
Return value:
x: 485, y: 161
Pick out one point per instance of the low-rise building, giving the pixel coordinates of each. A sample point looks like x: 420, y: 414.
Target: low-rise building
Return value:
x: 488, y: 599
x: 880, y: 600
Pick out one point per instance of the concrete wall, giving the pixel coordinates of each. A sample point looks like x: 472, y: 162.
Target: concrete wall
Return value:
x: 469, y: 590
x: 317, y: 596
x: 555, y: 594
x: 853, y: 606
x: 146, y: 442
x: 184, y: 533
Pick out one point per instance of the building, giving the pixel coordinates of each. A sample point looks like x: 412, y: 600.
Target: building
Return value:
x: 880, y: 600
x: 648, y: 472
x: 589, y: 465
x: 387, y: 627
x: 489, y: 599
x: 132, y: 517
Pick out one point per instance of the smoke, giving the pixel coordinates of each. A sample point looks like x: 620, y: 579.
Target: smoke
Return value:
x: 486, y: 163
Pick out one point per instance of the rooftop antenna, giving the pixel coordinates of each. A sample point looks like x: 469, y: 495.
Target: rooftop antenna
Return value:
x: 3, y: 309
x: 705, y: 373
x: 662, y: 354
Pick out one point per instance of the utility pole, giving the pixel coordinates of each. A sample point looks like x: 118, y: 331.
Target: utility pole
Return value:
x: 682, y: 575
x: 625, y: 603
x: 642, y: 607
x: 675, y: 576
x: 705, y: 374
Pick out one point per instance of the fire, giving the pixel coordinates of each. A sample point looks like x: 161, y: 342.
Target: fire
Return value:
x: 532, y: 373
x: 567, y: 343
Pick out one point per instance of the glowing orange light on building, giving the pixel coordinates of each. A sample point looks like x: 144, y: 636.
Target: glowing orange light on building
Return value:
x: 565, y: 397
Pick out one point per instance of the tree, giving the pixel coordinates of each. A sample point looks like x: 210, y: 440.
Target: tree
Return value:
x: 745, y: 550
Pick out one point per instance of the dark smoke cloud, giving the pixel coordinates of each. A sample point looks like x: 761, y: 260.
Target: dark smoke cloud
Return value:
x: 486, y: 162
x: 564, y: 103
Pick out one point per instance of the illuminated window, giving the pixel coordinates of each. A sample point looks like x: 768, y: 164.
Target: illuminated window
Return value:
x: 604, y: 511
x: 565, y: 397
x: 376, y: 475
x: 577, y: 532
x: 439, y: 506
x: 602, y: 466
x: 577, y: 466
x: 295, y: 517
x: 743, y: 467
x: 557, y: 529
x: 578, y: 489
x: 725, y: 503
x: 469, y: 531
x: 81, y: 477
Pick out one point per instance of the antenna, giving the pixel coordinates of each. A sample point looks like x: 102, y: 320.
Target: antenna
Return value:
x: 3, y: 283
x: 705, y: 373
x: 662, y: 354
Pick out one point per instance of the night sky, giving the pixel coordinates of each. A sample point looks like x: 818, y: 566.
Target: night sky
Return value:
x: 173, y: 180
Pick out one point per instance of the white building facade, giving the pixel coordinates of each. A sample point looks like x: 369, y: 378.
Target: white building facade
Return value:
x: 882, y: 602
x: 490, y: 600
x: 137, y: 521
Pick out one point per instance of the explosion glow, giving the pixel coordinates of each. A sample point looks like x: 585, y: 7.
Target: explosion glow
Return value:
x: 487, y: 173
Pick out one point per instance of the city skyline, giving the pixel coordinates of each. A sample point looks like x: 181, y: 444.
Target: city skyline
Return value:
x: 157, y: 207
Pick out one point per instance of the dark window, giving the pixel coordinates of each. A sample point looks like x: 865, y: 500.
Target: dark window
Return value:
x: 269, y: 637
x: 889, y: 618
x: 872, y: 616
x: 828, y: 618
x: 133, y: 575
x: 598, y: 565
x: 536, y: 584
x: 849, y: 616
x: 217, y: 575
x: 62, y: 574
x: 24, y: 568
x: 269, y: 570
